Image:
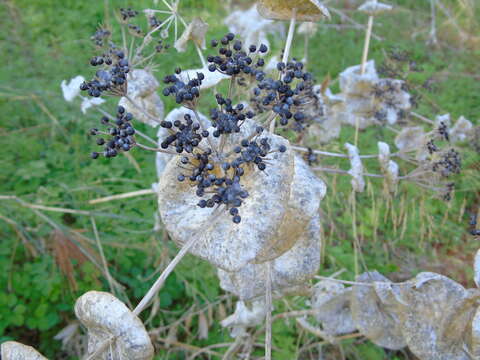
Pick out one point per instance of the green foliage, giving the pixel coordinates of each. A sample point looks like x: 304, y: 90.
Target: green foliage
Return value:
x: 45, y: 161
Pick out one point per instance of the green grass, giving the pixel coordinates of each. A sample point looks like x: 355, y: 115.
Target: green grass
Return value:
x: 45, y: 161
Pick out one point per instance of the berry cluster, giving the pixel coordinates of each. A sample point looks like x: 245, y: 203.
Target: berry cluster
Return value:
x: 473, y: 223
x: 118, y: 138
x: 222, y: 179
x: 186, y: 138
x: 135, y: 30
x: 232, y: 60
x: 127, y: 13
x: 289, y: 96
x: 443, y: 131
x: 184, y: 93
x: 100, y: 36
x: 449, y: 164
x: 228, y: 118
x: 112, y: 78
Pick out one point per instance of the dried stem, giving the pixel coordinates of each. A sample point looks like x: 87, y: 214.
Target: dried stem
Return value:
x: 268, y: 317
x: 163, y: 276
x: 122, y: 196
x: 146, y: 113
x: 366, y: 46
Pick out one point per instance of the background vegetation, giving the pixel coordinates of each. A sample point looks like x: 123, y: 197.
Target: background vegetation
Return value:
x: 49, y: 258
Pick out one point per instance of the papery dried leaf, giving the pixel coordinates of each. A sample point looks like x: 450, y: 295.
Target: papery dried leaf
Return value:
x: 356, y: 171
x: 12, y: 350
x: 475, y: 340
x: 332, y: 301
x: 196, y: 32
x: 105, y: 317
x: 252, y: 28
x: 410, y: 139
x: 290, y: 272
x: 462, y: 130
x: 436, y: 321
x: 306, y: 10
x: 476, y: 268
x: 243, y: 317
x: 202, y: 327
x: 223, y: 243
x: 221, y: 312
x: 373, y: 7
x: 372, y: 317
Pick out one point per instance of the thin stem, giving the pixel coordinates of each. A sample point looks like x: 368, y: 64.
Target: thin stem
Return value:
x: 147, y: 114
x: 163, y: 276
x: 160, y: 150
x: 203, y: 129
x: 423, y: 118
x: 339, y: 171
x: 366, y: 46
x: 291, y: 32
x: 102, y: 255
x: 268, y: 317
x: 122, y: 196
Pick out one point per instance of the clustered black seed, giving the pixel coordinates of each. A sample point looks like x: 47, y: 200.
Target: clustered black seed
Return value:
x: 229, y: 118
x: 214, y: 175
x: 233, y: 60
x: 449, y: 164
x: 184, y: 136
x: 184, y: 93
x: 111, y: 78
x: 127, y: 13
x: 473, y: 224
x: 443, y: 131
x: 118, y: 137
x: 288, y: 96
x: 100, y: 36
x: 135, y: 30
x: 431, y: 147
x: 385, y: 91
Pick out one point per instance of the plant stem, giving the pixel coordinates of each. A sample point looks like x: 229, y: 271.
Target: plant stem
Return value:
x: 268, y: 317
x: 291, y: 31
x: 366, y: 46
x: 163, y: 276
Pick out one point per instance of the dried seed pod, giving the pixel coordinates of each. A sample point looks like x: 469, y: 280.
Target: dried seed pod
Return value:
x: 369, y: 100
x: 356, y: 171
x: 290, y: 272
x: 389, y: 167
x: 106, y: 318
x: 261, y: 235
x: 476, y: 268
x: 372, y: 317
x: 306, y: 10
x: 142, y: 86
x: 252, y: 28
x: 475, y: 340
x: 436, y: 322
x: 195, y: 32
x: 462, y: 130
x: 374, y: 8
x: 12, y: 350
x: 332, y: 301
x: 243, y: 317
x: 72, y: 89
x: 412, y: 139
